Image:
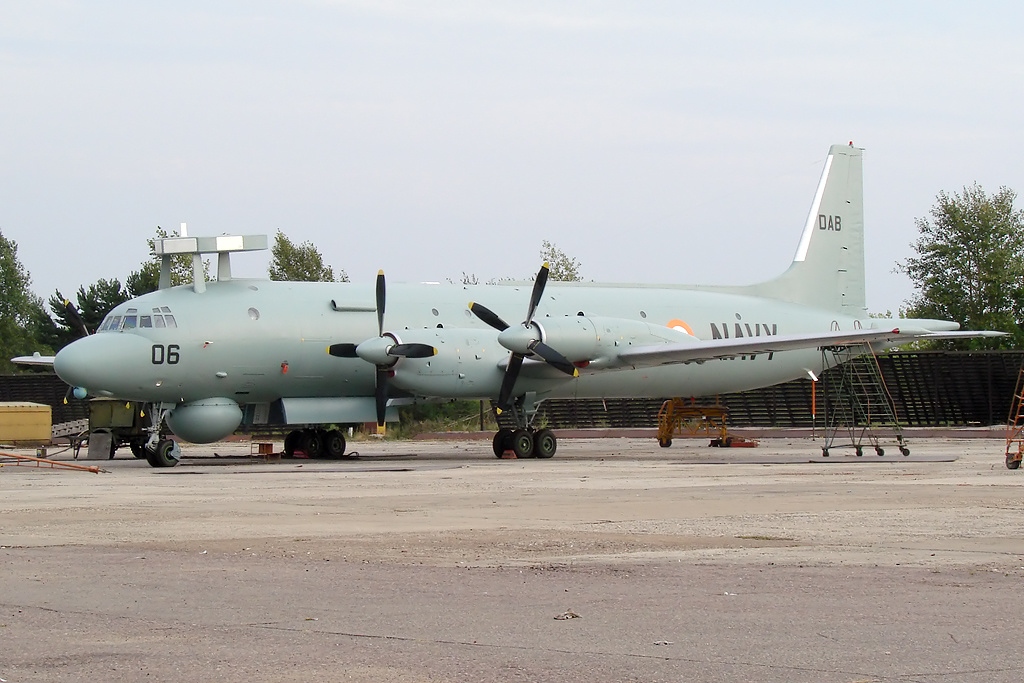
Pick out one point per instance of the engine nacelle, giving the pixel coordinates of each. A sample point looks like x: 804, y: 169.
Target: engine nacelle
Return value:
x: 205, y: 421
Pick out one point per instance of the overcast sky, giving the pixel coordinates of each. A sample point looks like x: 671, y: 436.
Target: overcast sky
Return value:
x: 653, y: 141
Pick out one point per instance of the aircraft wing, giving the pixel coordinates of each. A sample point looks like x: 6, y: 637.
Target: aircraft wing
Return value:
x: 704, y: 350
x: 34, y: 359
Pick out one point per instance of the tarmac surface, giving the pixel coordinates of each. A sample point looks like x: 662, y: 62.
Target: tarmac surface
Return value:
x: 433, y: 561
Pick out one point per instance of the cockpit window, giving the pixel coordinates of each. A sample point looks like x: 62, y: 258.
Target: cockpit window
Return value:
x: 170, y: 320
x: 158, y: 320
x: 105, y: 325
x: 145, y: 321
x: 115, y: 322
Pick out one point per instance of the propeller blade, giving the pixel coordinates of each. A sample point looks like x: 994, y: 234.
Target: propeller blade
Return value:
x: 412, y: 350
x: 554, y: 358
x: 488, y: 316
x: 380, y: 303
x: 75, y: 318
x: 508, y: 382
x: 381, y: 394
x: 538, y: 292
x: 342, y: 350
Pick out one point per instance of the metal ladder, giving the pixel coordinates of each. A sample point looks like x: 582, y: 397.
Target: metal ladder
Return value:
x: 858, y: 405
x: 1015, y: 425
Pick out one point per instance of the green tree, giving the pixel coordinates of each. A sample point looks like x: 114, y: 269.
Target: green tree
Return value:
x: 21, y: 312
x: 562, y: 266
x: 147, y: 278
x: 300, y: 263
x: 92, y: 302
x: 969, y: 265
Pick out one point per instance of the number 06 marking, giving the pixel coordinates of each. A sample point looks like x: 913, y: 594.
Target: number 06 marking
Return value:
x: 170, y: 355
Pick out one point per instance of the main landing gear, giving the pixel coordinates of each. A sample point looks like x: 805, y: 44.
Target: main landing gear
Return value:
x: 315, y: 443
x: 524, y: 440
x: 525, y: 443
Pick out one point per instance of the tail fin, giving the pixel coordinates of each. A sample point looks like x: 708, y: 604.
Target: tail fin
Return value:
x: 828, y: 269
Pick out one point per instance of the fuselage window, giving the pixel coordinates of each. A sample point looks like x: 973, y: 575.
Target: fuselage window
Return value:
x: 254, y: 314
x: 170, y: 321
x: 145, y: 321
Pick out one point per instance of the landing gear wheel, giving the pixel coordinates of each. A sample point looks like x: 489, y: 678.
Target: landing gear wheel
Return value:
x: 904, y: 450
x: 1011, y: 463
x: 879, y: 450
x: 502, y: 442
x: 313, y: 443
x: 544, y: 444
x: 292, y: 442
x: 138, y: 449
x: 522, y: 443
x: 166, y: 454
x: 664, y: 443
x: 334, y: 444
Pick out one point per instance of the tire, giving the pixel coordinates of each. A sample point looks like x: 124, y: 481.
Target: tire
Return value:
x: 163, y: 455
x: 824, y: 452
x: 664, y: 443
x: 880, y: 451
x: 334, y: 444
x: 313, y: 443
x: 904, y: 450
x: 138, y: 449
x: 522, y: 443
x: 292, y: 442
x: 1012, y: 464
x: 859, y: 451
x: 502, y: 442
x: 544, y: 444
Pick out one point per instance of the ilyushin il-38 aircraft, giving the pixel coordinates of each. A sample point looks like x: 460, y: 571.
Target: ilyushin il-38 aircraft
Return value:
x: 208, y: 357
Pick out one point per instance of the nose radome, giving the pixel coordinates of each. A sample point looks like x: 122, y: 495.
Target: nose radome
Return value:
x: 101, y: 362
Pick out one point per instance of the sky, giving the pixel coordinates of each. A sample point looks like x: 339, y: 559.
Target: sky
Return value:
x: 674, y: 142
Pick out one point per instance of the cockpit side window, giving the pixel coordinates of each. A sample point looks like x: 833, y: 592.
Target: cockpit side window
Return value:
x: 115, y: 322
x: 106, y: 324
x: 170, y: 320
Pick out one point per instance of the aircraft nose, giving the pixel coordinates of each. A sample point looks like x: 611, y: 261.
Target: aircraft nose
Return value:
x: 101, y: 363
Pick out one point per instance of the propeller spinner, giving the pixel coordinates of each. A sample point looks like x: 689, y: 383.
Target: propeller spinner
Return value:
x: 523, y: 340
x: 383, y: 351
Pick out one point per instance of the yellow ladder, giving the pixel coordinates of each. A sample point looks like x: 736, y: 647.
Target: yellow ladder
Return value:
x: 1015, y: 426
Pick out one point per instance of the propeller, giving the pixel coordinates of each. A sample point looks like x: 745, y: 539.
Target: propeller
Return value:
x: 383, y: 351
x: 523, y: 340
x: 74, y: 317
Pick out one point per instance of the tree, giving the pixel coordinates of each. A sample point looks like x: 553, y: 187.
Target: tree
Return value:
x: 93, y: 303
x: 21, y: 311
x: 969, y: 265
x: 301, y: 263
x: 147, y: 278
x: 562, y: 266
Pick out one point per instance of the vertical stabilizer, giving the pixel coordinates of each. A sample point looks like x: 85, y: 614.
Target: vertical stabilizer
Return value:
x: 828, y: 269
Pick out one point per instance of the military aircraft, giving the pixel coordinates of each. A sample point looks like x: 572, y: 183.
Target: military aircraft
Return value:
x: 211, y: 356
